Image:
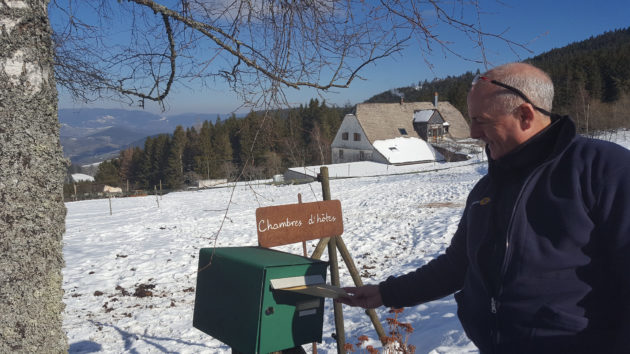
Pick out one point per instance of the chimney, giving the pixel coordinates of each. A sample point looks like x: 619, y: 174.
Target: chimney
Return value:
x: 435, y: 99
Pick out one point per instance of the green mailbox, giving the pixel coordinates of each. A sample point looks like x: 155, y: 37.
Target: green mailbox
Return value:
x: 236, y: 303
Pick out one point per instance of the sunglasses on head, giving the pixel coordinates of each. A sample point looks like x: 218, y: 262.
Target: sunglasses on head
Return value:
x: 516, y: 91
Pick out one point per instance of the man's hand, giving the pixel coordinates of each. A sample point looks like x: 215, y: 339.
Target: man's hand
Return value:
x: 368, y: 297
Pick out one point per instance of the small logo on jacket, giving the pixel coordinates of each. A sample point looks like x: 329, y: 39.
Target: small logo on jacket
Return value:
x: 482, y: 202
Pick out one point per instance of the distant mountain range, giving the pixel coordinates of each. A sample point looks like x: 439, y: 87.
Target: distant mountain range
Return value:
x: 95, y: 134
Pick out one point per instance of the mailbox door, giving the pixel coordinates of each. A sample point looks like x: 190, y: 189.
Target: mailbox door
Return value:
x: 290, y: 319
x: 227, y: 301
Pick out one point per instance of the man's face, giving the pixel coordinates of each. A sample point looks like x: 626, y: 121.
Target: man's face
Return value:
x: 502, y: 131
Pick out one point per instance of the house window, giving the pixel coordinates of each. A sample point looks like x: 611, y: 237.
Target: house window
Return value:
x: 340, y: 154
x: 357, y: 137
x: 402, y: 131
x: 344, y: 136
x: 361, y: 155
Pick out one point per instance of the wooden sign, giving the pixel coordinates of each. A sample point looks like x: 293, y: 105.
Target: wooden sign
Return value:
x: 284, y: 224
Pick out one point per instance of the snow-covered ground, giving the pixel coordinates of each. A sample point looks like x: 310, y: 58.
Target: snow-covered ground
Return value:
x: 129, y: 277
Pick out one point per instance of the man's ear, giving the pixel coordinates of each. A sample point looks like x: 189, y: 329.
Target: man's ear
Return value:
x: 526, y: 116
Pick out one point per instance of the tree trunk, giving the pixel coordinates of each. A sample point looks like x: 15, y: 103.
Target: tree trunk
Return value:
x: 32, y: 171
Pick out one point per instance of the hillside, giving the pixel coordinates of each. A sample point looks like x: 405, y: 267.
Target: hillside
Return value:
x: 591, y: 77
x: 95, y: 134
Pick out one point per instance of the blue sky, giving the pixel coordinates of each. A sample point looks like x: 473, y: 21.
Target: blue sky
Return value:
x: 542, y: 25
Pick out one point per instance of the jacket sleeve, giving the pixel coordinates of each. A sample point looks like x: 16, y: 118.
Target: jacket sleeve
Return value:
x: 440, y: 277
x: 612, y: 216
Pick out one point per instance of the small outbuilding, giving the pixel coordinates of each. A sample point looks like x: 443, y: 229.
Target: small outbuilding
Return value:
x: 430, y: 125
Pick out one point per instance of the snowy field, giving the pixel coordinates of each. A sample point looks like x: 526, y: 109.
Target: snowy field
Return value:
x: 129, y: 277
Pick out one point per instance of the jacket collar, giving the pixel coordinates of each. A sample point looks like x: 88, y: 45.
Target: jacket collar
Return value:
x: 546, y: 145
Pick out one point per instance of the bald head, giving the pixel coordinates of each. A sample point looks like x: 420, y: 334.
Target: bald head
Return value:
x: 500, y: 116
x: 533, y: 82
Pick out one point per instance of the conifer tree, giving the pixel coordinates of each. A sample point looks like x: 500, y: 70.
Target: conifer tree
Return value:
x: 207, y: 155
x: 138, y: 174
x: 108, y: 173
x: 174, y: 167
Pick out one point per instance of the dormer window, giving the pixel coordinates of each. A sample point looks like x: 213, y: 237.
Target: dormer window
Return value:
x: 402, y: 131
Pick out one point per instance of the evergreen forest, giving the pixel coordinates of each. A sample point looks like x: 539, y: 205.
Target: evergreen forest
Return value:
x: 591, y: 79
x: 226, y: 149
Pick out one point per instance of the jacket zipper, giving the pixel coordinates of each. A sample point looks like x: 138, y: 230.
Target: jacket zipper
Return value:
x: 506, y: 257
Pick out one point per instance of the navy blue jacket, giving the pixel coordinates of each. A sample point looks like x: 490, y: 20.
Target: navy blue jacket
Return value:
x: 541, y: 258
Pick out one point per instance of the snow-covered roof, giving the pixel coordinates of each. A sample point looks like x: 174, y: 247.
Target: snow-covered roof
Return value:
x: 422, y: 116
x: 80, y: 177
x: 405, y: 150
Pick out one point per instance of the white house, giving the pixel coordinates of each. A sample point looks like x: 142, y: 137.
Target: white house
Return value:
x: 80, y: 177
x: 393, y: 133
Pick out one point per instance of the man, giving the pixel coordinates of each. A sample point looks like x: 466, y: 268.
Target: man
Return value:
x: 540, y: 262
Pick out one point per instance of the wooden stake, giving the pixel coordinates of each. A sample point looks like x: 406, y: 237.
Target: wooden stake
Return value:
x: 303, y: 242
x: 156, y: 195
x: 334, y: 269
x: 110, y: 204
x: 319, y: 249
x: 314, y: 344
x: 323, y: 172
x: 334, y: 280
x: 343, y: 250
x: 354, y: 273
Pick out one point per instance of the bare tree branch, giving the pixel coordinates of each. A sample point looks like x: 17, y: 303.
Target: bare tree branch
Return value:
x: 172, y: 57
x: 259, y: 48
